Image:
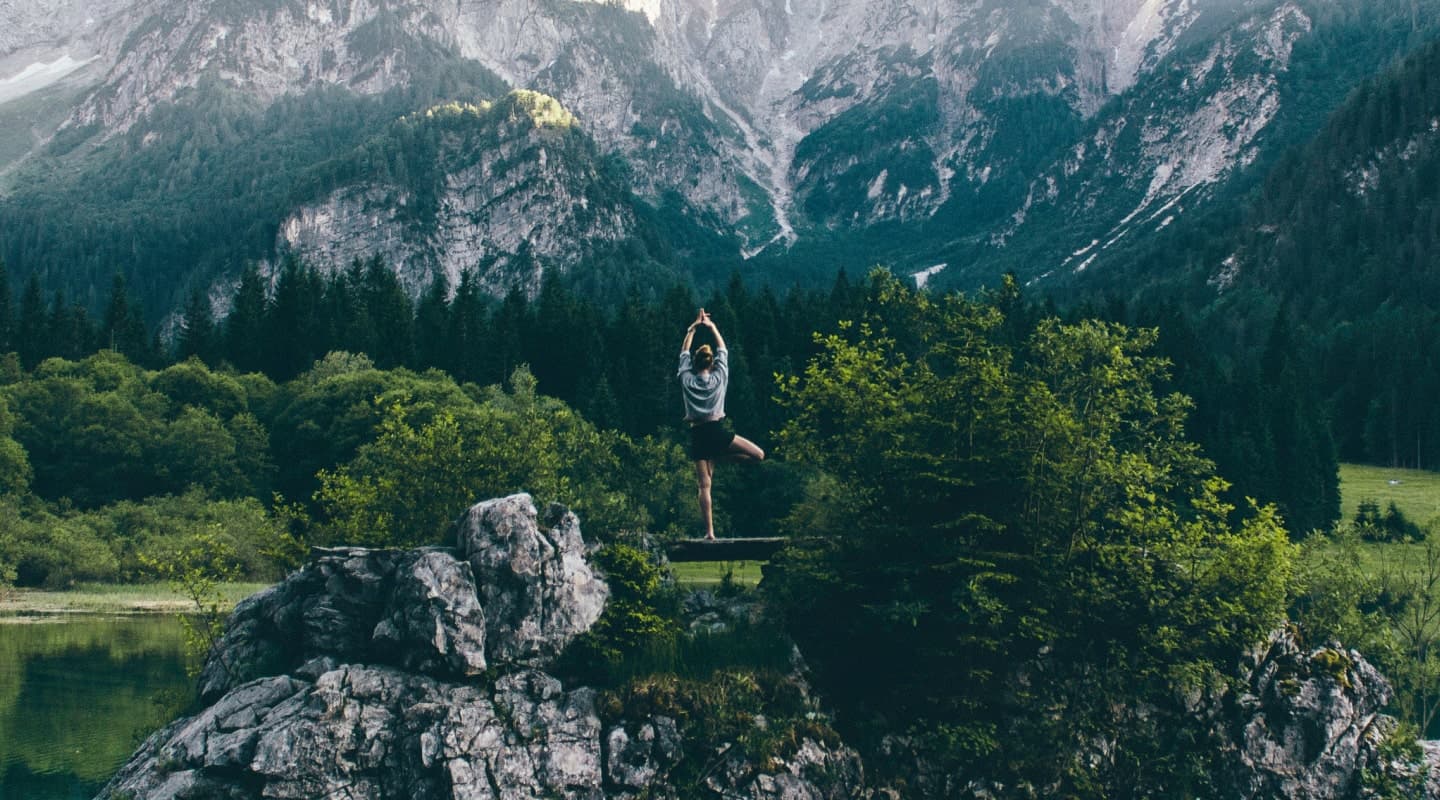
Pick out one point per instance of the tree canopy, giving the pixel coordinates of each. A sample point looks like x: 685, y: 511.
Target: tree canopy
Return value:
x: 1012, y: 531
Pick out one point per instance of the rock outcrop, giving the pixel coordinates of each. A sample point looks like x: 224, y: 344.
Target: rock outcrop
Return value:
x: 418, y: 674
x: 1308, y: 722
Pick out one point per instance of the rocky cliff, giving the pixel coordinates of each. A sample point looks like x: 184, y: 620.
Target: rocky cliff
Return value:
x: 510, y: 190
x: 420, y: 674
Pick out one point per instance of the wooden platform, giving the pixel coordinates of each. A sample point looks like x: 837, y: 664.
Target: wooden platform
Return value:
x: 748, y: 549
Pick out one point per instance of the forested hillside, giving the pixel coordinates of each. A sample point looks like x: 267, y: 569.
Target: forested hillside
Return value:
x: 1336, y: 253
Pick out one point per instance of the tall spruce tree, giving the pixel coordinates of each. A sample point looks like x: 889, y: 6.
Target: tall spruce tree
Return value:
x: 245, y: 326
x: 432, y: 324
x: 198, y: 334
x: 122, y: 329
x: 7, y: 311
x: 391, y: 316
x: 292, y: 329
x: 32, y: 330
x: 466, y: 341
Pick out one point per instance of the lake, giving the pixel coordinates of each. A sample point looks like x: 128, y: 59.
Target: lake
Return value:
x: 78, y: 694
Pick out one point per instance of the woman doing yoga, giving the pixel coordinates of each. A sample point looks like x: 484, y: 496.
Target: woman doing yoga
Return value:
x: 704, y: 376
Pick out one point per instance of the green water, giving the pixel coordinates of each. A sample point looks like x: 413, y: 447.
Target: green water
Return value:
x: 77, y: 696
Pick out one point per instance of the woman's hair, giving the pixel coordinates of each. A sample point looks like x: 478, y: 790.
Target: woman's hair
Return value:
x: 704, y: 357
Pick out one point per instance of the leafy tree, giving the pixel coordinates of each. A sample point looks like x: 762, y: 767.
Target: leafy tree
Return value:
x: 422, y: 469
x: 15, y: 472
x: 991, y: 508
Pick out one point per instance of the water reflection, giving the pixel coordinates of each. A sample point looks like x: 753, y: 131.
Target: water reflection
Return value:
x: 77, y: 696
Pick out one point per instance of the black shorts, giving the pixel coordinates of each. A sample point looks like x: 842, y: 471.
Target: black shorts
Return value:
x: 710, y: 440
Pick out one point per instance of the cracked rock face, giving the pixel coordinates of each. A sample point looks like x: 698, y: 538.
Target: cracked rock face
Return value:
x: 533, y: 580
x: 1305, y: 723
x: 518, y: 593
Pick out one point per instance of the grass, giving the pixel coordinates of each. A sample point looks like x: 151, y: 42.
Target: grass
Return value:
x: 709, y: 574
x: 1415, y: 492
x: 104, y: 598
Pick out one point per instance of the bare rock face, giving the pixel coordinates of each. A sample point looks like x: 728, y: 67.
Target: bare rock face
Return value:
x: 415, y: 674
x: 417, y: 609
x: 361, y: 731
x: 538, y: 591
x: 1307, y: 723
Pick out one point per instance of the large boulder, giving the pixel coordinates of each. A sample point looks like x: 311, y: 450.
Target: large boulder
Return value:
x: 534, y: 582
x: 518, y: 593
x: 415, y: 674
x: 417, y: 609
x: 374, y: 732
x: 1305, y: 722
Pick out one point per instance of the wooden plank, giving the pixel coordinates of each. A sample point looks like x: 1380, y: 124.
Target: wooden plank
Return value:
x: 747, y: 549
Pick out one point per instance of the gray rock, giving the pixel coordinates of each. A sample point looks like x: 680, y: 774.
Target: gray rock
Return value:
x: 705, y: 611
x: 379, y: 732
x: 353, y: 679
x: 434, y: 618
x: 633, y: 761
x: 537, y: 589
x: 1305, y: 723
x: 813, y: 772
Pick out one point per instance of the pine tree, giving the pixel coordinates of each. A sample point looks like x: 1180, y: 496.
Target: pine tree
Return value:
x: 198, y: 334
x: 67, y: 329
x: 465, y: 341
x: 504, y: 345
x: 32, y: 332
x: 7, y: 311
x: 432, y: 324
x: 291, y: 329
x: 122, y: 328
x: 391, y: 316
x: 245, y: 326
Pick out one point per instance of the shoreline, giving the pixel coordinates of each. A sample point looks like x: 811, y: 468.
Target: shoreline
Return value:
x: 23, y: 606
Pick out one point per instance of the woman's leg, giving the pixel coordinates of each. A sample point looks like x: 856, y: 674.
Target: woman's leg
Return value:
x: 704, y: 471
x: 742, y: 449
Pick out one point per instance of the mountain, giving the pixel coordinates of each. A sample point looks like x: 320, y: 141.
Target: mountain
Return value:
x: 1344, y: 239
x: 786, y: 138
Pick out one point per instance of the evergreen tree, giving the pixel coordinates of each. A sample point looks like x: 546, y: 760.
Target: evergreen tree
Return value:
x: 245, y: 326
x: 32, y: 332
x: 198, y: 334
x: 292, y: 331
x: 505, y: 343
x: 391, y: 316
x: 122, y: 328
x: 7, y: 311
x: 464, y: 354
x: 68, y: 332
x: 432, y: 324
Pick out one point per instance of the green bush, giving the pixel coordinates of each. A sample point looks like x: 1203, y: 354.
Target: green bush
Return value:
x: 1390, y: 526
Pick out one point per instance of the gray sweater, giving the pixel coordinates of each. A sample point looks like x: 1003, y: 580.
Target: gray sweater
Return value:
x: 704, y: 392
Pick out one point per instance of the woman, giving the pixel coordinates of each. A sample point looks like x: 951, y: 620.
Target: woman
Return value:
x: 704, y: 377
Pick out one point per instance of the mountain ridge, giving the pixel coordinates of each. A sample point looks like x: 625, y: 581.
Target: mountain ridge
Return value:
x: 963, y: 132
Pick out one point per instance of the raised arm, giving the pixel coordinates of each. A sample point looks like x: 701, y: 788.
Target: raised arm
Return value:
x: 719, y: 340
x: 690, y: 331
